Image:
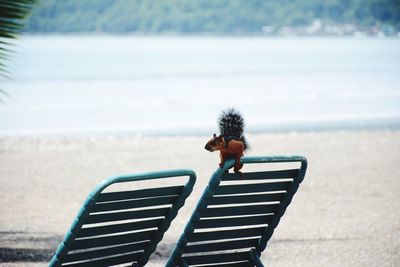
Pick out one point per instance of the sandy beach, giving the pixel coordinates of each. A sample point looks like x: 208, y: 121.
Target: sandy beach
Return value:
x: 346, y: 212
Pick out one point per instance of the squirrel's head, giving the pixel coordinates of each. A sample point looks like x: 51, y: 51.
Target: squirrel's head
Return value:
x: 215, y: 143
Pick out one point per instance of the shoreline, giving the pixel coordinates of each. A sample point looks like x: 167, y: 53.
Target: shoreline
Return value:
x: 349, y: 125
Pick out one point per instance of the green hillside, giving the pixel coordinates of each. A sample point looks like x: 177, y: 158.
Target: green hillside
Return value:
x: 216, y: 16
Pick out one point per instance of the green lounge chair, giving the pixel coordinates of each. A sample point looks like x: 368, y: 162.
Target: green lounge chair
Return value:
x: 124, y: 227
x: 237, y: 215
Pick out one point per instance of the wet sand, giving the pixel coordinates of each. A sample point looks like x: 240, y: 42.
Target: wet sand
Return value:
x: 346, y: 212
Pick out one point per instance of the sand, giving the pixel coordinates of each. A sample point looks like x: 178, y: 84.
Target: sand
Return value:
x: 346, y: 212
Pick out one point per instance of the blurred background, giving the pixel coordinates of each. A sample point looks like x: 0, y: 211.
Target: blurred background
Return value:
x: 170, y: 67
x: 98, y: 88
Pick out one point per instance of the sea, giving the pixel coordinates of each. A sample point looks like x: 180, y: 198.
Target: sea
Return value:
x: 178, y: 85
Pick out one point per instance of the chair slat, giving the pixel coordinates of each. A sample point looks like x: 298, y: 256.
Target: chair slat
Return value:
x: 280, y: 174
x: 252, y: 188
x: 133, y: 257
x: 118, y: 228
x: 239, y: 221
x: 227, y: 245
x: 226, y: 234
x: 132, y: 204
x: 111, y: 240
x: 240, y: 210
x: 246, y: 199
x: 217, y: 258
x: 126, y: 215
x: 231, y: 264
x: 104, y: 252
x: 144, y: 193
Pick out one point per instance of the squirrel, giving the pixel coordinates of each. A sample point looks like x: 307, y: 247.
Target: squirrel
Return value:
x: 231, y: 143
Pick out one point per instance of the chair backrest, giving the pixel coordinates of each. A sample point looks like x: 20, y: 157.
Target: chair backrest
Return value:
x: 237, y: 215
x: 120, y: 226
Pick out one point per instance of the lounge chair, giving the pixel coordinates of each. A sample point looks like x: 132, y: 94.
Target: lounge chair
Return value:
x: 237, y: 214
x: 123, y: 227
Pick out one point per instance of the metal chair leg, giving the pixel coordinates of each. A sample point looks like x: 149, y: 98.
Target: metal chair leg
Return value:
x: 255, y: 259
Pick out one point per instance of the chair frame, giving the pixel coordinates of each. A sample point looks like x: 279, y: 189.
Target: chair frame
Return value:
x: 176, y: 259
x: 84, y: 211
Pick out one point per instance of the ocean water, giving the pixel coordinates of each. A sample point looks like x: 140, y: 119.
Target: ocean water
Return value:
x: 179, y: 85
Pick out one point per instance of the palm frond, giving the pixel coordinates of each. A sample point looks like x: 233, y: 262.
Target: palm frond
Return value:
x: 3, y: 93
x: 12, y: 15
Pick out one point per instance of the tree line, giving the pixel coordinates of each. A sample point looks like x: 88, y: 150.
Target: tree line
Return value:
x: 200, y: 16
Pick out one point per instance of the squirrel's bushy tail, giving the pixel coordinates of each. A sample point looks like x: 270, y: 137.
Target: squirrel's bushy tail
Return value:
x: 231, y: 125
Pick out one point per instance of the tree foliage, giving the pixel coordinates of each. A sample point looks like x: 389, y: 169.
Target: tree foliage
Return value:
x: 12, y: 15
x: 217, y: 16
